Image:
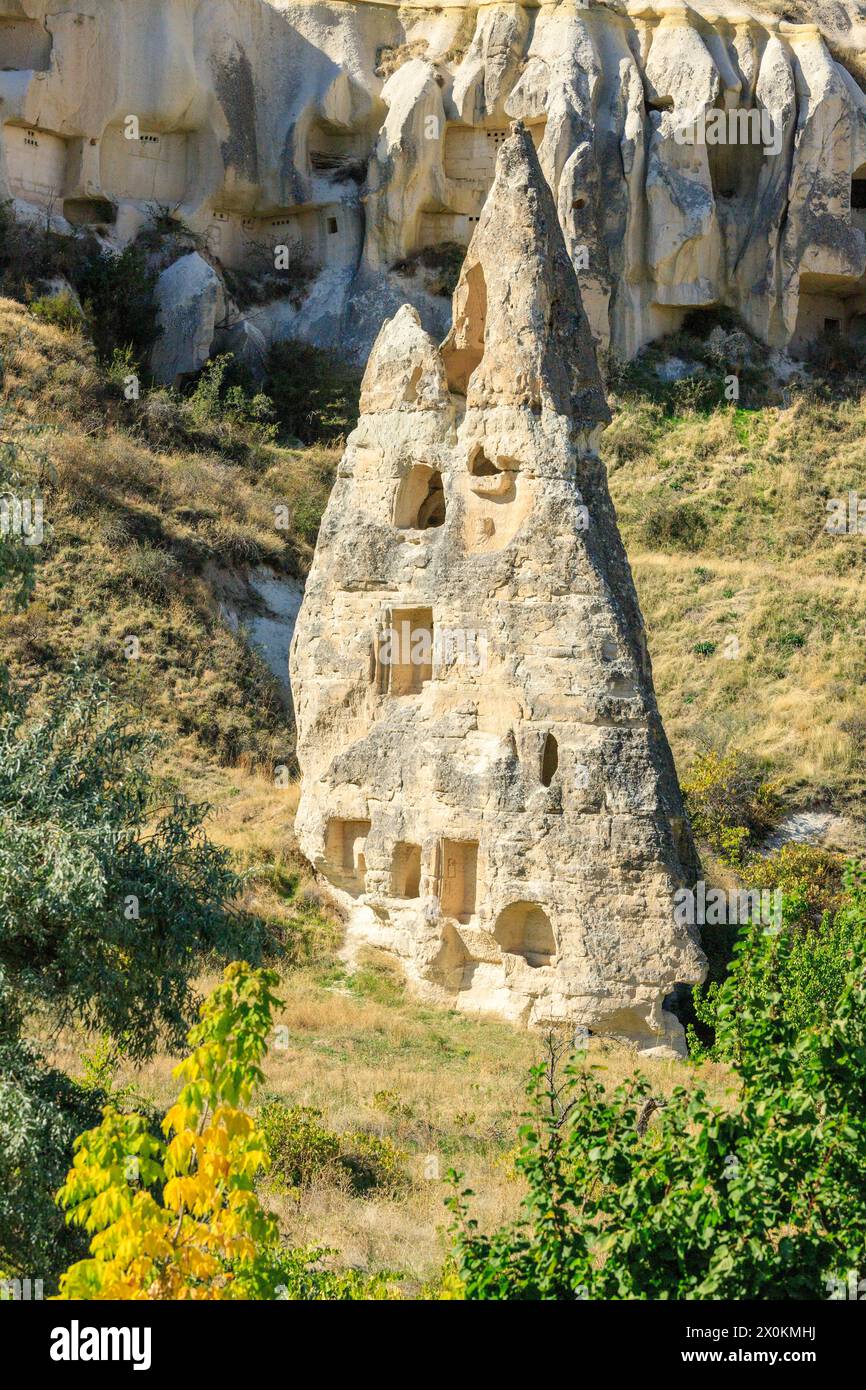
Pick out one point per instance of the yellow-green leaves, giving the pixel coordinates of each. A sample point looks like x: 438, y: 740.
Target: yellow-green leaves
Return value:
x: 205, y: 1234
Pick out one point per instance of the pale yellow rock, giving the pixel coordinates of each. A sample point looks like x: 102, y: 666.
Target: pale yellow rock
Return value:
x: 487, y: 791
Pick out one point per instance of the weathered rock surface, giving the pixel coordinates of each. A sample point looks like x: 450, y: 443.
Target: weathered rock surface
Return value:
x: 486, y: 786
x: 363, y: 133
x: 190, y: 302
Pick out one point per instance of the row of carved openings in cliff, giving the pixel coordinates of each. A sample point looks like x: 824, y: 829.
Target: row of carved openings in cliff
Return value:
x: 332, y: 157
x: 448, y: 872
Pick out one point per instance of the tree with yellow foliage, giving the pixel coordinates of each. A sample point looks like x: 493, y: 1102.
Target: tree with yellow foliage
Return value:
x: 207, y: 1235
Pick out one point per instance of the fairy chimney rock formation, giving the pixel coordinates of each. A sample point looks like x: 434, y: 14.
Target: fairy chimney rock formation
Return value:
x: 487, y: 789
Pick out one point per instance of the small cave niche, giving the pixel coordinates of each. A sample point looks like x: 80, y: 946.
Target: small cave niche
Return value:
x: 480, y: 466
x: 658, y: 103
x: 549, y: 760
x: 338, y: 153
x: 404, y: 652
x: 523, y: 929
x: 458, y: 878
x: 406, y: 870
x: 858, y: 189
x: 89, y: 212
x: 736, y: 164
x: 345, y: 852
x: 464, y: 347
x: 420, y: 500
x: 494, y: 482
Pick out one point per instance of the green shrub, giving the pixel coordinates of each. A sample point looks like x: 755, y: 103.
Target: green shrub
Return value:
x: 31, y: 254
x: 314, y: 395
x: 61, y: 310
x: 122, y: 364
x: 302, y: 1276
x: 730, y: 804
x: 302, y: 1150
x: 802, y: 975
x: 121, y: 901
x: 152, y: 572
x: 703, y: 388
x: 218, y: 399
x: 260, y: 281
x: 389, y: 1103
x: 307, y: 511
x: 117, y: 292
x: 78, y: 806
x: 41, y: 1113
x: 809, y: 877
x: 633, y: 1196
x: 373, y: 1162
x: 670, y: 525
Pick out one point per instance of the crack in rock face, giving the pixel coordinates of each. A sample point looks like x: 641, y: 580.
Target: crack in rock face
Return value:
x: 487, y: 790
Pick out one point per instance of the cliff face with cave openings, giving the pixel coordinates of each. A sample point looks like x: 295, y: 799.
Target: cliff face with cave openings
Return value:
x: 364, y: 135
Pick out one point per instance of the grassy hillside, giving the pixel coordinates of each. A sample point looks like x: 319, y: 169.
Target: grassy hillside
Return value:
x: 146, y: 503
x: 756, y: 615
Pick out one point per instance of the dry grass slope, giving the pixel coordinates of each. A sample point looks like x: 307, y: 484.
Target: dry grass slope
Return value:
x: 756, y: 615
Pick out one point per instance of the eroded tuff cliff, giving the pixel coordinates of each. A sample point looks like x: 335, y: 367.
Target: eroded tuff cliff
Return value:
x: 367, y: 132
x: 486, y: 785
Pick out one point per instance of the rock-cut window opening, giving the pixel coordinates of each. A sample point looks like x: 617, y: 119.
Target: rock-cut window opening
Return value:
x: 404, y: 656
x: 523, y: 929
x: 480, y: 466
x: 420, y: 502
x: 345, y: 851
x: 458, y: 878
x: 406, y: 870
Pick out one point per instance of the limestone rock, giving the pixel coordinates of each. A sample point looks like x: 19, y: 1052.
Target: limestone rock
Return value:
x: 486, y: 786
x: 190, y: 304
